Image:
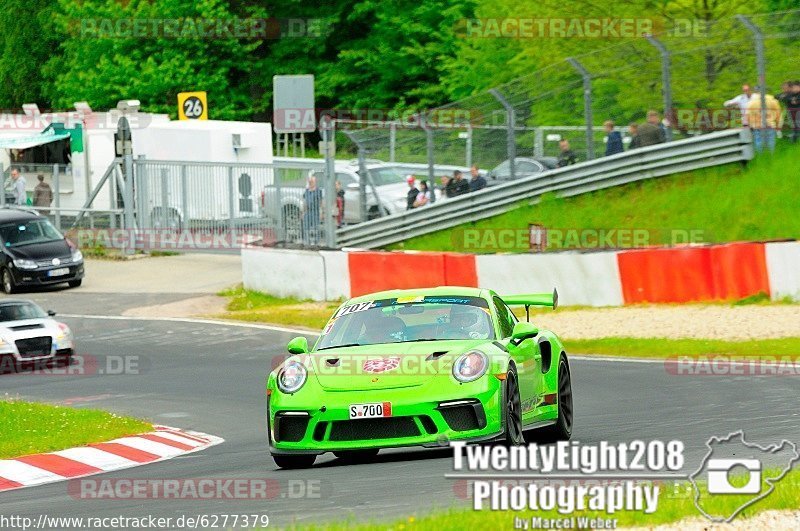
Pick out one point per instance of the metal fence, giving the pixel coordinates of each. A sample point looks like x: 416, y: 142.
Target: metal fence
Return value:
x: 723, y: 147
x: 684, y: 73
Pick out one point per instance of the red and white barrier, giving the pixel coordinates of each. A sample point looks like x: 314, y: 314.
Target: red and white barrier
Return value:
x: 606, y: 278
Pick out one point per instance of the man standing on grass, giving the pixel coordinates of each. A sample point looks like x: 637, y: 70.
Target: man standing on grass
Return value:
x: 741, y: 102
x: 764, y: 122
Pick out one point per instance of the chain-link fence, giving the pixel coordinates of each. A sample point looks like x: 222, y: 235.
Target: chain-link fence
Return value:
x: 685, y: 71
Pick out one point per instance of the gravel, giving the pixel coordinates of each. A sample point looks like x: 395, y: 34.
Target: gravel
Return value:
x: 765, y: 521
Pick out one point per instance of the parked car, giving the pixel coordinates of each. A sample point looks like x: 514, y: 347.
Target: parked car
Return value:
x: 29, y: 334
x: 35, y: 253
x: 524, y: 167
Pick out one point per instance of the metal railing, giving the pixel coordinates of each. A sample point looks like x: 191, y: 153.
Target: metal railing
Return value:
x: 713, y: 149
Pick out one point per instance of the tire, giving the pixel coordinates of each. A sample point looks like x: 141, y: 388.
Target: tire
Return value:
x: 512, y: 411
x: 357, y: 456
x: 8, y: 282
x: 562, y: 429
x: 75, y: 283
x: 292, y: 462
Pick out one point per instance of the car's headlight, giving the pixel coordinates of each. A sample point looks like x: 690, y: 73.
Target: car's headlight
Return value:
x: 77, y: 255
x: 470, y: 366
x: 64, y: 332
x: 21, y: 263
x: 292, y: 376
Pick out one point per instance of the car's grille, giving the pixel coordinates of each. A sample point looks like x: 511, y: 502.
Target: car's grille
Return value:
x: 49, y: 262
x: 461, y: 418
x: 368, y: 429
x: 34, y: 346
x: 290, y: 428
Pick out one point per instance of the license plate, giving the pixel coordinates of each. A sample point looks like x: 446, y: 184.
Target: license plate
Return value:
x: 58, y: 272
x: 371, y: 411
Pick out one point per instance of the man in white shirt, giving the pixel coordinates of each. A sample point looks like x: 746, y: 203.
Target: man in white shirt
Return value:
x: 18, y: 188
x: 740, y: 102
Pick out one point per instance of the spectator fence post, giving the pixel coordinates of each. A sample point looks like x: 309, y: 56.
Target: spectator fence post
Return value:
x: 330, y: 177
x: 430, y: 153
x: 57, y: 194
x: 761, y: 64
x: 666, y: 81
x: 587, y: 105
x: 511, y: 134
x: 392, y: 140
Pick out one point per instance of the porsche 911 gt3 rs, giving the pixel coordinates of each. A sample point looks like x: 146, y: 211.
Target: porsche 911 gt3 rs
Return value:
x: 419, y: 368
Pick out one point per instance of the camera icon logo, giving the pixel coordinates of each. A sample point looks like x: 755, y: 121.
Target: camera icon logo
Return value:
x: 722, y: 473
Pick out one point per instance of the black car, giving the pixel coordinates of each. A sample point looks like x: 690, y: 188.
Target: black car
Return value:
x: 35, y: 253
x: 524, y: 167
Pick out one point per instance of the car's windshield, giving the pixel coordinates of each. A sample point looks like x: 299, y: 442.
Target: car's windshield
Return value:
x: 387, y: 175
x: 28, y: 232
x: 406, y: 319
x: 20, y: 310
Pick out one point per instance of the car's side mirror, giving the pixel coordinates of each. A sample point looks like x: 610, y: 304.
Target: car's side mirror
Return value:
x: 51, y: 313
x: 524, y: 330
x: 298, y: 345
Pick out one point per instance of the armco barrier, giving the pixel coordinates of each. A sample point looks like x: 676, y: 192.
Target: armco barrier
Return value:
x: 691, y: 274
x: 783, y: 268
x: 606, y: 278
x: 590, y: 279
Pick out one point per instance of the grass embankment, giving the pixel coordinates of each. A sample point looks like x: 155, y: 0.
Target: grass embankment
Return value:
x: 673, y: 506
x: 727, y: 203
x: 31, y: 427
x: 252, y: 306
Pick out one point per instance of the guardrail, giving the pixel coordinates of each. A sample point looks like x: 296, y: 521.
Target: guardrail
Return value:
x: 713, y: 149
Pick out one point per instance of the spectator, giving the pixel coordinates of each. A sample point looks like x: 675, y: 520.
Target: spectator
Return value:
x: 312, y: 210
x: 740, y: 102
x: 458, y: 185
x: 613, y: 139
x: 18, y: 187
x: 652, y: 131
x: 633, y: 131
x: 764, y: 134
x: 42, y: 195
x: 413, y: 192
x: 339, y: 204
x: 424, y: 196
x: 476, y: 182
x: 567, y: 156
x: 793, y: 110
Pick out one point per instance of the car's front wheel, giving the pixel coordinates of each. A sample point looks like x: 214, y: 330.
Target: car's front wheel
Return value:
x: 8, y: 282
x: 513, y: 411
x: 294, y: 461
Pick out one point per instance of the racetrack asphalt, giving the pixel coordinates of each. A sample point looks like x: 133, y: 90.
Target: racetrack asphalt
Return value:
x: 210, y: 378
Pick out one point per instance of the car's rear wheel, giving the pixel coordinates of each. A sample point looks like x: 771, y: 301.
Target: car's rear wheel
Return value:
x: 357, y: 456
x: 294, y: 461
x: 562, y: 429
x: 8, y: 282
x: 513, y: 411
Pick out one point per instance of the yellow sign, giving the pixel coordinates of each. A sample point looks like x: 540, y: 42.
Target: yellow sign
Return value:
x: 193, y: 106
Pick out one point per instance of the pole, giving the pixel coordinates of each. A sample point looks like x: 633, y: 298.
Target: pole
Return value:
x: 362, y: 182
x: 392, y: 140
x: 666, y: 81
x: 761, y: 64
x: 57, y: 193
x: 469, y: 145
x: 511, y: 139
x: 127, y: 164
x: 330, y: 180
x: 431, y: 160
x: 587, y: 105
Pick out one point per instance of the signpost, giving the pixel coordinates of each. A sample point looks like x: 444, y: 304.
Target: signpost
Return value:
x: 193, y: 106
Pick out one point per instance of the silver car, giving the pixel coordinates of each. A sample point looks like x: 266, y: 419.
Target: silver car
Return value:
x: 29, y: 334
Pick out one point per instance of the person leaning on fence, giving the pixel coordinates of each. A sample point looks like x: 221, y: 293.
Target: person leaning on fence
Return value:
x: 18, y: 187
x: 764, y: 133
x: 633, y: 131
x: 42, y: 195
x: 566, y: 156
x: 312, y: 212
x: 651, y: 132
x: 613, y: 139
x: 476, y: 181
x: 413, y: 192
x: 424, y: 196
x: 741, y: 102
x: 461, y: 185
x: 793, y: 110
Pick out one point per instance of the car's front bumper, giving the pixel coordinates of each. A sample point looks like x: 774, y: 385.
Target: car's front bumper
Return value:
x: 60, y: 348
x: 314, y: 420
x: 41, y: 276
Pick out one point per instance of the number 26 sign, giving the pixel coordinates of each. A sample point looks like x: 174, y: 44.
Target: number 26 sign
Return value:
x: 193, y: 106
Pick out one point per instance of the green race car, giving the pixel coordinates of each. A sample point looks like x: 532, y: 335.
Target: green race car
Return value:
x: 419, y: 368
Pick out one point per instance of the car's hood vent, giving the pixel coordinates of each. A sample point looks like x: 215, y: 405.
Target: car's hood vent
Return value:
x: 436, y: 355
x: 20, y: 328
x: 332, y: 362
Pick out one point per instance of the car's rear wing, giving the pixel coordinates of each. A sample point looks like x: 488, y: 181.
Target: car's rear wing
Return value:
x: 533, y: 299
